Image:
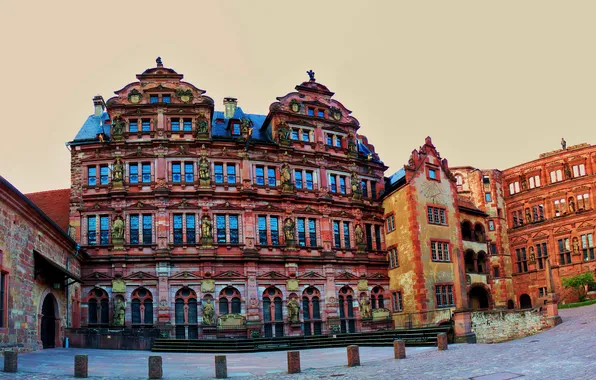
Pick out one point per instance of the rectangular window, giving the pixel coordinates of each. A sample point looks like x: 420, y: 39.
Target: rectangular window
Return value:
x: 220, y: 224
x: 91, y: 230
x: 342, y: 184
x: 564, y: 251
x: 534, y: 181
x: 312, y: 232
x: 364, y: 188
x: 541, y: 255
x: 274, y: 227
x: 397, y: 302
x: 134, y: 229
x: 176, y: 174
x: 336, y: 234
x: 583, y: 201
x: 378, y: 237
x: 338, y: 141
x: 218, y: 170
x: 514, y: 188
x: 147, y: 229
x: 271, y: 181
x: 298, y: 179
x: 333, y: 183
x: 487, y: 197
x: 234, y: 229
x: 493, y: 249
x: 393, y: 258
x: 133, y: 126
x: 440, y: 251
x: 542, y: 292
x: 189, y: 175
x: 175, y: 124
x: 3, y: 298
x: 231, y: 173
x: 310, y: 111
x: 391, y: 223
x: 294, y: 134
x: 305, y: 136
x: 496, y: 272
x: 560, y: 208
x: 444, y: 295
x: 347, y: 235
x: 146, y: 171
x: 436, y: 215
x: 588, y: 247
x: 153, y: 99
x: 166, y: 98
x: 133, y: 173
x: 329, y: 139
x: 522, y: 261
x: 485, y: 179
x: 260, y: 175
x: 579, y: 170
x: 187, y: 125
x: 145, y: 125
x: 369, y: 238
x: 556, y: 176
x: 301, y: 226
x: 491, y: 225
x: 309, y: 180
x: 191, y: 235
x: 91, y: 176
x: 320, y: 113
x: 235, y: 130
x: 104, y: 230
x: 432, y: 174
x: 262, y: 225
x: 104, y: 174
x: 177, y: 228
x: 373, y: 189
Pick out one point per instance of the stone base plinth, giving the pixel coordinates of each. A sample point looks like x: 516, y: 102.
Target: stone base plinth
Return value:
x: 81, y: 366
x: 221, y: 367
x: 10, y: 361
x: 399, y: 349
x: 293, y: 361
x: 155, y: 367
x: 353, y: 356
x: 442, y: 341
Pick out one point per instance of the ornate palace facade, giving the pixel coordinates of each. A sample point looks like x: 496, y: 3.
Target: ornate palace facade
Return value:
x: 208, y: 223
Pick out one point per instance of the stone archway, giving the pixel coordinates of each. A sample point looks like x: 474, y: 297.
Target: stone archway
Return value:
x: 478, y: 298
x: 525, y: 302
x: 49, y: 321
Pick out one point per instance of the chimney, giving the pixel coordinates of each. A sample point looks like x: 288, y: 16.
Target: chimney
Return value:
x: 99, y: 104
x: 230, y: 105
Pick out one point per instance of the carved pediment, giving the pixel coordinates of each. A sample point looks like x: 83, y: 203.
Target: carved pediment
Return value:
x: 540, y: 235
x: 519, y: 240
x: 229, y: 275
x: 140, y: 205
x: 140, y: 276
x: 98, y: 276
x: 184, y: 204
x: 342, y: 214
x: 311, y: 275
x: 307, y: 210
x: 299, y: 122
x: 184, y: 276
x: 562, y: 230
x: 96, y: 207
x: 137, y: 113
x: 226, y: 206
x: 346, y: 276
x: 339, y: 168
x: 586, y: 224
x: 269, y: 208
x: 377, y: 276
x: 272, y: 275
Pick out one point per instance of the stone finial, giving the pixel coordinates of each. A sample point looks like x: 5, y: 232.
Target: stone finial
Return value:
x: 311, y: 75
x: 158, y: 61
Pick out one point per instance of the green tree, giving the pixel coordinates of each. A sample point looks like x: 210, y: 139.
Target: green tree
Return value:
x: 580, y: 283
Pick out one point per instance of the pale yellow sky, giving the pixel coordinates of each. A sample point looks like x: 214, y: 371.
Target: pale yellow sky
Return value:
x: 493, y: 83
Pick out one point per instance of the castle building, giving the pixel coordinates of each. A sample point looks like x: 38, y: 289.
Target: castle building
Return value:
x: 551, y: 217
x: 212, y: 223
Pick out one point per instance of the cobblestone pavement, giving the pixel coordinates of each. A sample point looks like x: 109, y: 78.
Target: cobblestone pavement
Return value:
x: 567, y: 351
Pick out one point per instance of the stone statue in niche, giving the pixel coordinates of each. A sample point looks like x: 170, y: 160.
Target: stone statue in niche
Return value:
x: 359, y: 235
x: 524, y: 183
x: 118, y: 233
x: 356, y: 189
x: 575, y: 246
x: 286, y: 178
x: 352, y: 147
x: 567, y: 171
x: 208, y: 313
x: 118, y: 171
x: 289, y: 228
x: 206, y: 232
x: 571, y: 204
x: 293, y: 309
x: 528, y: 216
x: 283, y: 133
x: 119, y: 311
x: 532, y: 256
x: 365, y: 307
x: 117, y: 127
x: 204, y: 172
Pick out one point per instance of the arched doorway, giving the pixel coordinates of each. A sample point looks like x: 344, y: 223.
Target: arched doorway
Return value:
x: 525, y: 302
x: 478, y: 298
x: 48, y: 322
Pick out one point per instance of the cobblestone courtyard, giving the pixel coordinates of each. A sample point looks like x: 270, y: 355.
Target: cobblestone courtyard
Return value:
x: 566, y: 352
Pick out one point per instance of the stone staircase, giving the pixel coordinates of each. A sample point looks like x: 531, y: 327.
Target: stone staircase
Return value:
x: 412, y: 337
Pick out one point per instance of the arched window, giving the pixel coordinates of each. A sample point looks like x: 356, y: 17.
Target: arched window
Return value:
x: 99, y: 307
x: 377, y: 300
x: 273, y: 312
x: 470, y: 260
x: 229, y: 296
x: 479, y: 235
x: 346, y: 311
x: 466, y: 231
x: 142, y: 307
x: 186, y: 314
x: 311, y: 311
x: 482, y: 267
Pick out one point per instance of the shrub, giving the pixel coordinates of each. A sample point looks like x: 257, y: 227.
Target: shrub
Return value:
x: 580, y: 283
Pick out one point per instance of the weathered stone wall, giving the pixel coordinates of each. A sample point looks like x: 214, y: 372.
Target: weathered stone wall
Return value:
x: 499, y: 326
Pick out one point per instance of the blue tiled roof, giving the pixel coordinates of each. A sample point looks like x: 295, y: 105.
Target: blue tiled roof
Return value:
x: 220, y: 129
x: 401, y: 173
x: 93, y: 126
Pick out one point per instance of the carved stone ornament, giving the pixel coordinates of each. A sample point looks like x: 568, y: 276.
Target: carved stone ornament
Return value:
x: 292, y: 285
x: 118, y: 286
x: 363, y: 285
x: 335, y: 113
x: 135, y: 96
x: 295, y: 106
x: 185, y: 95
x: 208, y: 286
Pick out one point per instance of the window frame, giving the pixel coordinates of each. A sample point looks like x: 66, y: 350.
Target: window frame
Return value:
x: 439, y: 208
x: 437, y: 250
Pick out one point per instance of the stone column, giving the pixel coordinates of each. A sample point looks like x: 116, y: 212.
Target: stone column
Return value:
x: 399, y: 349
x: 442, y: 341
x: 221, y: 367
x: 293, y: 361
x: 155, y: 367
x: 81, y: 366
x: 353, y: 356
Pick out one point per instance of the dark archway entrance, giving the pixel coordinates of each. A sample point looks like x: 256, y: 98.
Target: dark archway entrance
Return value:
x: 525, y: 302
x: 478, y: 297
x: 48, y: 322
x: 510, y: 305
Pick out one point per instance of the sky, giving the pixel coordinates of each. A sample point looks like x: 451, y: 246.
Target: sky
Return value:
x: 493, y: 83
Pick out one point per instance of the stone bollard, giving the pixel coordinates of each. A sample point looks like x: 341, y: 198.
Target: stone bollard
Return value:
x: 221, y: 367
x: 399, y: 349
x: 442, y: 341
x: 353, y: 356
x: 293, y: 361
x: 10, y: 361
x: 81, y: 366
x: 155, y: 367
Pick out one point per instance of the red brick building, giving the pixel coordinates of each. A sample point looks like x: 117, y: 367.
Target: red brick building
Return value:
x: 40, y: 268
x: 551, y: 216
x: 209, y: 223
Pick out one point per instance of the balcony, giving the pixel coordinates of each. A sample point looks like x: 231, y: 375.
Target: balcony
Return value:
x: 476, y: 278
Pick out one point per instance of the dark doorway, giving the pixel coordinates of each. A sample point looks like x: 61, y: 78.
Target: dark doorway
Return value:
x: 510, y: 305
x: 525, y: 302
x: 478, y: 298
x: 48, y: 322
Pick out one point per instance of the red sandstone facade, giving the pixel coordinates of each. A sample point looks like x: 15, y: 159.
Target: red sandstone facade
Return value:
x: 274, y: 220
x: 551, y: 216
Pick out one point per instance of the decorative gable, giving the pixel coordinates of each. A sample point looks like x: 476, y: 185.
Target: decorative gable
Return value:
x: 311, y: 275
x: 346, y: 276
x: 272, y: 276
x: 184, y: 204
x: 269, y: 208
x: 226, y: 206
x: 184, y: 276
x: 140, y: 276
x: 97, y: 276
x: 229, y: 275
